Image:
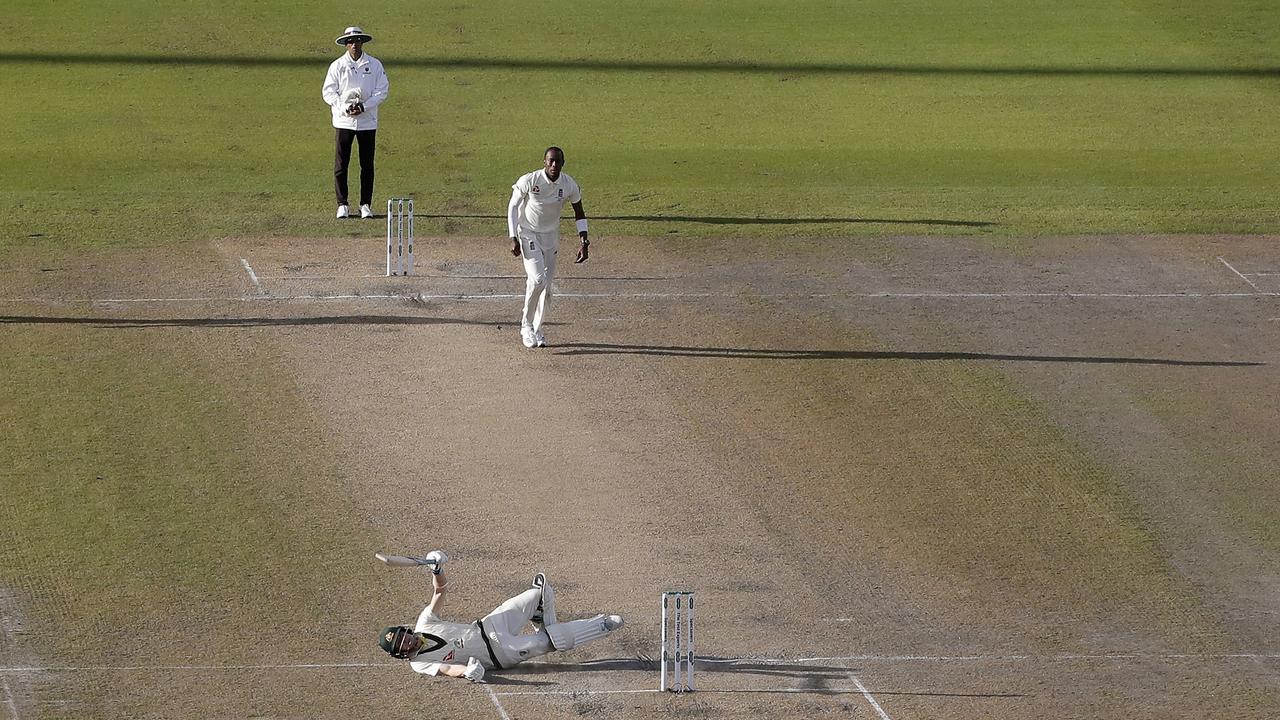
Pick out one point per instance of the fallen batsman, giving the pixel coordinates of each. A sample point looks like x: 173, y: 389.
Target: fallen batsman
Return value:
x: 497, y: 641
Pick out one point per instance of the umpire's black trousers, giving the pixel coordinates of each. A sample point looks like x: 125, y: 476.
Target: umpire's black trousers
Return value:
x: 343, y: 138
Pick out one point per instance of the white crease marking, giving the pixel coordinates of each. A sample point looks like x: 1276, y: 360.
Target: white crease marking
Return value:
x: 866, y: 694
x: 1064, y: 657
x: 1240, y: 274
x: 497, y: 703
x: 400, y: 297
x: 8, y: 698
x: 1042, y: 658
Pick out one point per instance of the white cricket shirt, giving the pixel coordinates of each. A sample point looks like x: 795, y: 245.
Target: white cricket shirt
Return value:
x: 544, y: 200
x: 367, y: 75
x: 450, y: 642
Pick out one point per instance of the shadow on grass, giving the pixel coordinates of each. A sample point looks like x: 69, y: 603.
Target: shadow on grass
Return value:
x: 765, y: 354
x: 651, y: 66
x: 718, y: 220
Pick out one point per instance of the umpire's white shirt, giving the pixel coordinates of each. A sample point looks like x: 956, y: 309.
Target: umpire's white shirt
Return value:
x: 544, y: 200
x: 366, y: 74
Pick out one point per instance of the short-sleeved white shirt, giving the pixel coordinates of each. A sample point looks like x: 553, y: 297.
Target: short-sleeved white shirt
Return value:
x: 449, y: 642
x: 544, y: 200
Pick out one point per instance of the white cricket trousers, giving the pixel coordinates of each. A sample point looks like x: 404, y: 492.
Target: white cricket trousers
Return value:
x: 539, y: 253
x: 504, y: 624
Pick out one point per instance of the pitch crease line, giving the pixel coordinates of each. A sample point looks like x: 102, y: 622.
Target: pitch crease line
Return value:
x: 573, y: 692
x: 767, y: 660
x: 866, y: 694
x: 655, y: 296
x: 144, y: 668
x: 502, y: 712
x: 1044, y: 658
x: 704, y: 691
x: 1238, y: 273
x: 8, y: 698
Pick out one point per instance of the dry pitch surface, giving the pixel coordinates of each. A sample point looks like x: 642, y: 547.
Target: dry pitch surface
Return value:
x: 909, y: 477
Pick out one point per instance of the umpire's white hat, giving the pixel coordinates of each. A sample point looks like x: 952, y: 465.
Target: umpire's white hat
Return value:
x: 355, y: 32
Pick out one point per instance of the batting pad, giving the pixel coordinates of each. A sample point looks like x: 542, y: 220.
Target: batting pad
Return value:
x: 568, y: 635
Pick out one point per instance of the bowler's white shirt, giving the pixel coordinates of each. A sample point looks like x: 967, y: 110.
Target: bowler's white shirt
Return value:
x: 366, y: 74
x: 544, y: 200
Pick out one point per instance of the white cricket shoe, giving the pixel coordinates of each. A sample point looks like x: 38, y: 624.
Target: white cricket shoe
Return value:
x: 612, y: 622
x: 539, y: 582
x: 343, y: 211
x: 366, y: 211
x: 526, y: 337
x: 539, y: 340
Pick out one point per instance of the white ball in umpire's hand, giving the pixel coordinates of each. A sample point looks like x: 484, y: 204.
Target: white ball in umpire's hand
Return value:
x: 350, y: 99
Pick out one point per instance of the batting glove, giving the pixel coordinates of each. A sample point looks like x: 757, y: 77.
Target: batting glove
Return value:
x: 435, y: 559
x: 474, y: 671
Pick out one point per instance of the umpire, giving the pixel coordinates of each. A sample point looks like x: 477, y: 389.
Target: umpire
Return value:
x: 354, y: 88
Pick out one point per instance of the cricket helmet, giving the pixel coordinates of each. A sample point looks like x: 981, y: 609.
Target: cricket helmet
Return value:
x: 392, y: 640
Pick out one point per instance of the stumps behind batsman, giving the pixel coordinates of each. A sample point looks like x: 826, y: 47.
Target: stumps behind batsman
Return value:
x: 497, y: 641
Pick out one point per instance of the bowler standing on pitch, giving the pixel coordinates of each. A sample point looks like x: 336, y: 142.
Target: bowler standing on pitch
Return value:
x: 533, y: 222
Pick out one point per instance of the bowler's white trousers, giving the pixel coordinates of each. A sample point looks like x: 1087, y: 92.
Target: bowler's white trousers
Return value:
x: 539, y: 252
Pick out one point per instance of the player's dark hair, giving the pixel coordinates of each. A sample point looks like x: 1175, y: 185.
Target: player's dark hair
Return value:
x: 553, y: 147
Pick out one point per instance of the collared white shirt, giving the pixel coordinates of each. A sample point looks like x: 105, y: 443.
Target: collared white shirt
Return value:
x: 367, y: 75
x: 450, y: 643
x: 543, y: 200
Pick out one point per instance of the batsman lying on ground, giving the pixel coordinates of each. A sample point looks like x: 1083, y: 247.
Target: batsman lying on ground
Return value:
x: 466, y: 650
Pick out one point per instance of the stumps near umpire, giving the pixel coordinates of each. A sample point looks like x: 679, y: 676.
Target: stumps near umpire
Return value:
x: 677, y: 642
x: 399, y: 236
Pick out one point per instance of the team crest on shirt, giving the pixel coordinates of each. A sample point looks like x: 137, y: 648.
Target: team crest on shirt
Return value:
x: 447, y: 658
x: 535, y: 188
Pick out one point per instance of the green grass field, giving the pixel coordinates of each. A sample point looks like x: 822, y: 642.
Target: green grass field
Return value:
x: 145, y: 123
x: 133, y: 488
x: 162, y: 479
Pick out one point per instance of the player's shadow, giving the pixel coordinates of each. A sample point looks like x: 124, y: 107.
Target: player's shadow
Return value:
x: 926, y: 356
x: 807, y: 678
x: 804, y: 678
x: 230, y: 322
x: 725, y: 220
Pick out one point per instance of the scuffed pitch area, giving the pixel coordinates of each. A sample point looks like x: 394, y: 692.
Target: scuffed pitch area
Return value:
x: 908, y: 477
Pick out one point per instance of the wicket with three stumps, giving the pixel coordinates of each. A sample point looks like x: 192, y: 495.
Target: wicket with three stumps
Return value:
x: 400, y: 234
x: 680, y: 650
